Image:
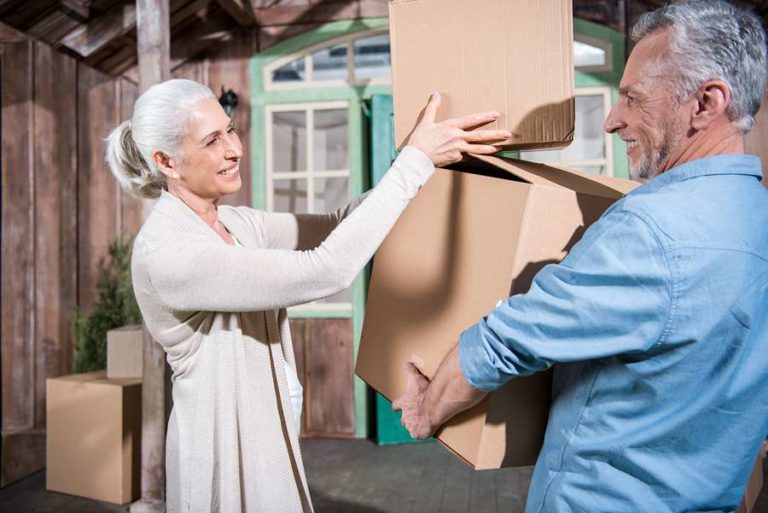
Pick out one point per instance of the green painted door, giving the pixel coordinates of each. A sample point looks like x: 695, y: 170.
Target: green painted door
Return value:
x: 386, y: 422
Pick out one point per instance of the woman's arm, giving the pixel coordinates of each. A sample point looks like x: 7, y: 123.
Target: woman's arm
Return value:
x: 191, y: 275
x: 299, y: 231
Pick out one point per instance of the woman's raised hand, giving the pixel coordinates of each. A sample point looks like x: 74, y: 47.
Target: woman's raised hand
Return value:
x: 444, y: 142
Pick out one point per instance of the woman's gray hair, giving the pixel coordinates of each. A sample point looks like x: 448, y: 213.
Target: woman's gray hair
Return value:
x: 713, y: 40
x: 159, y: 123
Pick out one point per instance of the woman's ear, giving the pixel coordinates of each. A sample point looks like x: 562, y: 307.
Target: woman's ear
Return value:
x: 165, y: 164
x: 713, y: 98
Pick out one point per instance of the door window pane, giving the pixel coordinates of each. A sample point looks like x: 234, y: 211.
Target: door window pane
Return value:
x: 589, y: 137
x: 289, y: 141
x: 291, y: 72
x: 290, y: 195
x: 331, y: 194
x: 587, y: 152
x: 330, y: 140
x: 345, y: 296
x: 330, y: 63
x: 372, y: 57
x: 586, y: 55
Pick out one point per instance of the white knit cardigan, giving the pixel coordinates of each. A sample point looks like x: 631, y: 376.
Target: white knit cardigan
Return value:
x: 219, y: 313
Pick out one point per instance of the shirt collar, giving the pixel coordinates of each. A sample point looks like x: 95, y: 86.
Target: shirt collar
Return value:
x: 708, y: 166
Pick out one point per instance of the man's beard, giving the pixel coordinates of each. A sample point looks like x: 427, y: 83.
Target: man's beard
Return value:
x: 653, y: 162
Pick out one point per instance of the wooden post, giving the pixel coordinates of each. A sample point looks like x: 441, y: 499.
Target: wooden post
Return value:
x: 153, y: 40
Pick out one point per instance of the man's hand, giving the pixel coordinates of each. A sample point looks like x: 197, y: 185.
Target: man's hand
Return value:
x: 427, y: 405
x: 415, y: 418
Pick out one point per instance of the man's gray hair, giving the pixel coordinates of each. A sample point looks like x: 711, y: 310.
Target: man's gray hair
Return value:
x: 713, y: 40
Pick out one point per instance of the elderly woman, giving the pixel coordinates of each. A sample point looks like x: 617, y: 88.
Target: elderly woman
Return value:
x: 213, y: 283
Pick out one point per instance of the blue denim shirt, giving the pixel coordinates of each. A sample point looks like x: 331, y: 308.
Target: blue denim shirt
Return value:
x: 657, y: 323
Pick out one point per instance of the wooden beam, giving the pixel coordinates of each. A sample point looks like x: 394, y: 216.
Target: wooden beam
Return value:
x: 77, y: 8
x: 240, y: 10
x: 87, y: 39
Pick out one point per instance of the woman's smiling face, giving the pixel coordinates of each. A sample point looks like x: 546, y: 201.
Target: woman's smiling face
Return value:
x: 210, y: 153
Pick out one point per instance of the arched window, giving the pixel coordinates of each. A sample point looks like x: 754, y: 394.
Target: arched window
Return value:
x: 352, y: 60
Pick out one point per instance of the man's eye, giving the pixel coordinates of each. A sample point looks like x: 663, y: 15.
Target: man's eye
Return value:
x: 231, y: 129
x: 212, y: 141
x: 630, y: 100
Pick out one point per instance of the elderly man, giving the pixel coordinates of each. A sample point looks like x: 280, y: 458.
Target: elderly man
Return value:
x: 657, y: 320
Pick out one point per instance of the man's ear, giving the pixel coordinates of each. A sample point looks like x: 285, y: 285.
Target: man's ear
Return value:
x: 165, y: 164
x: 712, y: 99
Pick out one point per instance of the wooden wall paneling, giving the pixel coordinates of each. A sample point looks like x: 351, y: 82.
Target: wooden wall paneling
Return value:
x: 55, y: 235
x: 98, y: 191
x: 131, y: 209
x: 192, y: 70
x: 17, y: 261
x: 229, y: 69
x: 756, y: 141
x: 328, y: 353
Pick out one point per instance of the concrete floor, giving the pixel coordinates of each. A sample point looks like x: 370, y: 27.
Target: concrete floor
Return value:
x: 347, y: 476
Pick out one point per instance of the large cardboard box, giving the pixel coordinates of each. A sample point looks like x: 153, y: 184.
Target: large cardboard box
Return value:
x: 125, y: 352
x: 512, y: 56
x: 94, y: 437
x: 468, y: 240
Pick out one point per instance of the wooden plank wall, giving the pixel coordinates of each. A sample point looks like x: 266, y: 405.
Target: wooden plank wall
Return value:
x: 60, y: 210
x: 756, y: 141
x: 323, y: 349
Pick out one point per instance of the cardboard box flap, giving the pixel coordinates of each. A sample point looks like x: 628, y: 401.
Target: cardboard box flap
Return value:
x: 515, y: 57
x: 513, y: 168
x: 540, y: 174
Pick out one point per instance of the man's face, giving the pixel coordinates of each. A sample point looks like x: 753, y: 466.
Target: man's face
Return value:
x: 648, y: 116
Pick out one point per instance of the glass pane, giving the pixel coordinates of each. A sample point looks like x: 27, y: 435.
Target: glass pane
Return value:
x: 598, y: 170
x: 345, y: 296
x: 290, y: 196
x: 330, y: 140
x: 541, y: 156
x: 291, y: 72
x: 589, y: 137
x: 331, y: 194
x: 330, y: 63
x: 289, y: 141
x: 587, y: 55
x: 372, y: 57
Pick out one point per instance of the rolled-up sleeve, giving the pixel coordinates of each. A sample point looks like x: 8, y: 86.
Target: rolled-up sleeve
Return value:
x: 612, y: 294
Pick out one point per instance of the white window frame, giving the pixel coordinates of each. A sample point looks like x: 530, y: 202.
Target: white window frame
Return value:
x: 309, y: 175
x: 306, y: 53
x: 607, y: 162
x: 603, y: 45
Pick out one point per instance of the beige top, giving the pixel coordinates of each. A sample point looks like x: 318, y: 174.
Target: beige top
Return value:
x: 219, y: 312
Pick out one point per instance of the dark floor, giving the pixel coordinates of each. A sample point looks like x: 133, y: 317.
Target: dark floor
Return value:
x: 348, y: 476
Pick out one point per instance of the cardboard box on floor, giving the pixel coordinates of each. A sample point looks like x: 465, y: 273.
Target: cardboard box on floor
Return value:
x: 94, y: 437
x: 468, y: 240
x: 511, y: 56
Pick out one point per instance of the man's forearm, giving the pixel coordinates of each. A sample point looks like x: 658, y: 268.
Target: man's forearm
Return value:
x: 449, y: 393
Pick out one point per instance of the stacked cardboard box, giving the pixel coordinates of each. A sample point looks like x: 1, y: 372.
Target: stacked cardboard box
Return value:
x: 125, y: 352
x: 94, y: 437
x: 477, y: 234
